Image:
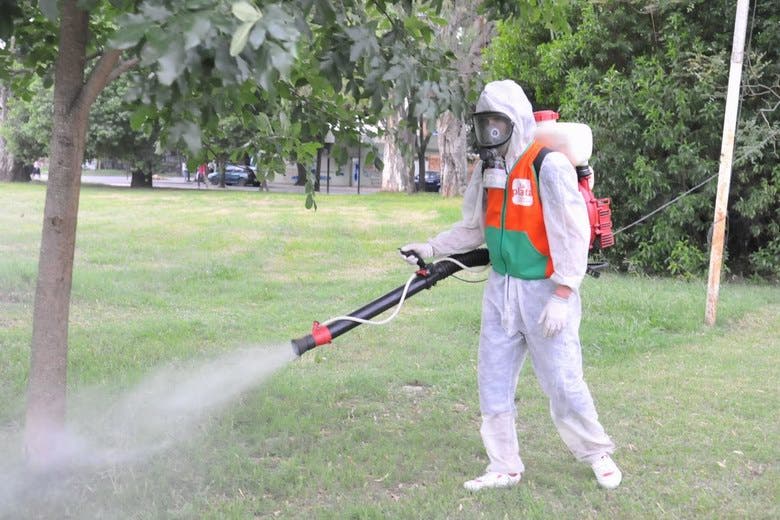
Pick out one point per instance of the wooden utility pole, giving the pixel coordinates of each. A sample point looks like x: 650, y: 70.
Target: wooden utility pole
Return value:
x: 726, y: 158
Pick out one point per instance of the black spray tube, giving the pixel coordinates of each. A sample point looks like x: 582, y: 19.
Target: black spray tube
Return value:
x: 425, y: 279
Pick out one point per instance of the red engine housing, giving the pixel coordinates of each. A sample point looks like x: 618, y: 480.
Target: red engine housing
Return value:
x: 599, y: 215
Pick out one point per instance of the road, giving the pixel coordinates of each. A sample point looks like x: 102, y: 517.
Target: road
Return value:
x: 176, y: 182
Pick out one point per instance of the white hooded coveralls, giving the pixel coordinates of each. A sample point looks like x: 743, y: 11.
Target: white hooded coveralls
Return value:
x: 511, y: 307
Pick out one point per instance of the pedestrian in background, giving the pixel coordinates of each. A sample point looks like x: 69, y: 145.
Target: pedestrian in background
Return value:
x: 201, y: 175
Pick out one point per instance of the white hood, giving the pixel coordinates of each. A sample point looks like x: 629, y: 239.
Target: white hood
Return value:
x: 508, y: 97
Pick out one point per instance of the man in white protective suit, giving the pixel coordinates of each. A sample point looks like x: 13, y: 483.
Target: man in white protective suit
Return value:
x: 535, y: 224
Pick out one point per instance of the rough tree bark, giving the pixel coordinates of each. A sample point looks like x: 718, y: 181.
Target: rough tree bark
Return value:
x: 6, y: 157
x: 422, y: 139
x: 452, y: 147
x: 453, y: 132
x: 396, y: 174
x: 73, y: 98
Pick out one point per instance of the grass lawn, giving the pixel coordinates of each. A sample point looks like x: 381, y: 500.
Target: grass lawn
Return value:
x: 192, y: 297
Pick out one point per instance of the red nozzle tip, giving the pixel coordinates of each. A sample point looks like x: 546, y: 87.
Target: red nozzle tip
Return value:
x: 320, y: 333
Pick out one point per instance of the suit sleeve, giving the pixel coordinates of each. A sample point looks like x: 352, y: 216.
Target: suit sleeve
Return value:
x: 565, y: 219
x: 469, y: 232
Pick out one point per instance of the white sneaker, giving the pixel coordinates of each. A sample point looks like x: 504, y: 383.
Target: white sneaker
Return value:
x: 491, y: 479
x: 607, y: 472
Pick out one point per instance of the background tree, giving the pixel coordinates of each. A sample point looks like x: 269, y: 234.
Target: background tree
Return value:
x: 26, y: 125
x: 466, y: 34
x: 650, y: 79
x: 7, y: 159
x: 425, y: 85
x: 111, y: 135
x: 469, y: 31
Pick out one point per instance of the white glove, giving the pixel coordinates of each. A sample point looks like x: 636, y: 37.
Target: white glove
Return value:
x: 554, y: 316
x: 421, y: 249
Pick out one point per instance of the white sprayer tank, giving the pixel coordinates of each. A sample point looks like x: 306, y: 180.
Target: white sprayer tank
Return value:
x: 575, y: 140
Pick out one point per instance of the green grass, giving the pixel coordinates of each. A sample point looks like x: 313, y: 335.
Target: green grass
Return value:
x: 384, y: 422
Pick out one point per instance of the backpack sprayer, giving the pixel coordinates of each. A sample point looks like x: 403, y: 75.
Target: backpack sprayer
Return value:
x: 425, y: 278
x: 575, y: 141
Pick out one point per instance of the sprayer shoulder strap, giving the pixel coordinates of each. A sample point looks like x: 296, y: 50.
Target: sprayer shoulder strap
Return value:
x: 538, y: 160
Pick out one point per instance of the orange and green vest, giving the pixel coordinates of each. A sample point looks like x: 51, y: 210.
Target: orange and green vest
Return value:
x: 514, y: 224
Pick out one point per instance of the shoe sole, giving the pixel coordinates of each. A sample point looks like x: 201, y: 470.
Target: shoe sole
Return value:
x: 501, y: 486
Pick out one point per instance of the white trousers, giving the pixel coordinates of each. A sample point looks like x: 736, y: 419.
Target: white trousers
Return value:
x: 510, y: 311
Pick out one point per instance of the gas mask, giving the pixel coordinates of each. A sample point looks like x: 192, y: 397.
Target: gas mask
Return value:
x: 492, y: 131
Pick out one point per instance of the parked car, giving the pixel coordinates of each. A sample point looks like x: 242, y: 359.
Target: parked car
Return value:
x: 236, y: 175
x: 432, y: 180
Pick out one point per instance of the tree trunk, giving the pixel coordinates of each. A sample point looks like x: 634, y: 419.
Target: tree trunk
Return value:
x: 46, y: 391
x: 140, y: 179
x: 452, y: 148
x: 422, y: 146
x: 396, y: 174
x: 318, y: 170
x: 219, y: 165
x: 301, y: 180
x: 6, y: 157
x: 18, y: 171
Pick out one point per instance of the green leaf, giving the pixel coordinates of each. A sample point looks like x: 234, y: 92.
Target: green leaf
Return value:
x: 265, y: 78
x: 197, y: 32
x: 281, y: 59
x: 138, y: 117
x: 156, y: 45
x: 279, y: 26
x: 264, y: 124
x: 246, y: 12
x: 197, y: 5
x: 128, y: 36
x: 171, y: 65
x: 257, y: 36
x: 240, y: 38
x: 156, y: 13
x: 188, y: 132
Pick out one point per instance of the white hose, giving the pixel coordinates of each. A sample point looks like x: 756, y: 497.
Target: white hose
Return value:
x: 403, y: 296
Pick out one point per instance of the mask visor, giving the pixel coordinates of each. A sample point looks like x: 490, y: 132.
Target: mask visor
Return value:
x: 492, y: 129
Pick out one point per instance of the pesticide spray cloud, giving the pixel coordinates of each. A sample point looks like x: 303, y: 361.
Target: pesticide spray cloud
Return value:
x: 159, y: 412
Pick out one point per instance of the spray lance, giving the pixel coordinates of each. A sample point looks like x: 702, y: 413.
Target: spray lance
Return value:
x: 425, y: 278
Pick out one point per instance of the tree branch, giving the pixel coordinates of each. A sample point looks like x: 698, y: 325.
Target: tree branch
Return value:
x: 123, y: 67
x: 98, y: 79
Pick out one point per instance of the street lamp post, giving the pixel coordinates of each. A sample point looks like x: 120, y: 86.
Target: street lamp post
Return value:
x: 329, y: 140
x: 360, y: 159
